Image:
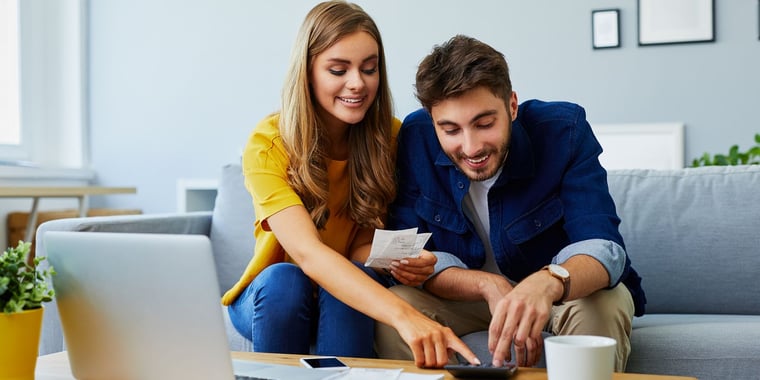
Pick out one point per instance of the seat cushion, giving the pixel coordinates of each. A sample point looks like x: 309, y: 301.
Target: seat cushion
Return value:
x: 236, y: 341
x: 708, y: 347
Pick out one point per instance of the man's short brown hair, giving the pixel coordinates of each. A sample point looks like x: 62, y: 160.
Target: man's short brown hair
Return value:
x: 459, y: 65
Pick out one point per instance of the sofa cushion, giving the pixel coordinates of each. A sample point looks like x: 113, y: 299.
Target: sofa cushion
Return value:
x: 232, y: 227
x: 692, y: 234
x: 708, y: 347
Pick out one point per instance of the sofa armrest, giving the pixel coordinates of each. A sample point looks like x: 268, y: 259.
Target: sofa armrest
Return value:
x: 174, y: 223
x: 51, y: 339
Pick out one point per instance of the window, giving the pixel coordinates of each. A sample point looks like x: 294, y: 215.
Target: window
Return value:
x: 10, y: 126
x: 42, y: 60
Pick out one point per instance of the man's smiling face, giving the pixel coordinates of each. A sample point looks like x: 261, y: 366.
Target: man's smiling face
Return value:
x: 474, y: 130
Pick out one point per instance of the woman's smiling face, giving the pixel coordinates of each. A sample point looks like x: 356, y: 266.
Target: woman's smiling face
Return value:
x: 344, y: 79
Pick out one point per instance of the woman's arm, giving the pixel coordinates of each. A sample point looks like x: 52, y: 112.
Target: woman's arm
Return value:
x: 428, y: 340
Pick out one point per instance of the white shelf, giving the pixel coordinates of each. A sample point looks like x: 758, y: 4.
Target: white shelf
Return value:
x: 196, y: 194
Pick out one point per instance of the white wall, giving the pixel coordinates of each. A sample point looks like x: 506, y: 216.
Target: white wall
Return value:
x: 176, y: 85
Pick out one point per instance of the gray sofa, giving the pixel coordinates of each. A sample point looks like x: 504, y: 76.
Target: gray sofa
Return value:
x: 692, y: 234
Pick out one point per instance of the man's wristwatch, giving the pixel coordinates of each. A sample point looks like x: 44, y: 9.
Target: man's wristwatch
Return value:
x: 563, y: 275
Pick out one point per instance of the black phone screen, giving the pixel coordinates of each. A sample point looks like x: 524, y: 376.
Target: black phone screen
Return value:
x: 324, y: 362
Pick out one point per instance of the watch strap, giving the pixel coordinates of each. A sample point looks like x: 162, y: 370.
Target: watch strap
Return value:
x: 565, y: 284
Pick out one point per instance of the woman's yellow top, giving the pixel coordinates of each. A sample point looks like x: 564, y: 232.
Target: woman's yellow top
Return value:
x: 265, y: 164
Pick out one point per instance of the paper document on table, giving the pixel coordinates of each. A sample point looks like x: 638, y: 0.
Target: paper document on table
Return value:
x: 389, y: 246
x: 419, y: 376
x: 382, y: 374
x: 367, y: 374
x: 260, y: 370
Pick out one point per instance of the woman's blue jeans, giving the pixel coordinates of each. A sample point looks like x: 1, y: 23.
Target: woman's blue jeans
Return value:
x: 283, y: 311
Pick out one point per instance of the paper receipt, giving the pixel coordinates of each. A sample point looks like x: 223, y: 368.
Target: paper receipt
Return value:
x: 389, y: 246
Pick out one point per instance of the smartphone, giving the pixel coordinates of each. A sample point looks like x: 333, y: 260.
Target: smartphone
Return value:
x: 324, y: 362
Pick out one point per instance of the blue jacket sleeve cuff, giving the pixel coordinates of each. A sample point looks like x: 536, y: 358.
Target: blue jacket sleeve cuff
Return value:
x: 446, y: 260
x: 607, y: 252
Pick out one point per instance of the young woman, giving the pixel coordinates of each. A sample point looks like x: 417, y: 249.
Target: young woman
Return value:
x: 321, y: 174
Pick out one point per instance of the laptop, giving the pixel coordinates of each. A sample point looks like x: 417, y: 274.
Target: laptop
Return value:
x: 139, y: 306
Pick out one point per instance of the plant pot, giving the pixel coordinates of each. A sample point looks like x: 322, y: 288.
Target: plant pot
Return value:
x: 19, y: 343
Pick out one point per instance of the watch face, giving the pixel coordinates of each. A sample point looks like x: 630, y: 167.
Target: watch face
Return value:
x: 559, y: 270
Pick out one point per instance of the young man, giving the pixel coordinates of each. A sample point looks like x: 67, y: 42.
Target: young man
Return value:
x: 522, y: 222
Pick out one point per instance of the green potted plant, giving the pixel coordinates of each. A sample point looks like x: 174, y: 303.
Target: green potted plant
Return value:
x: 734, y: 157
x: 23, y: 289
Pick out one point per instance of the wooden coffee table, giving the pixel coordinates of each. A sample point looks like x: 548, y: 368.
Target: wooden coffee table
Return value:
x: 522, y: 373
x: 56, y: 367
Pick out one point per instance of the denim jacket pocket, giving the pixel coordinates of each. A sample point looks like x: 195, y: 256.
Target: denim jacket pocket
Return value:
x: 449, y: 228
x: 440, y: 215
x: 537, y: 221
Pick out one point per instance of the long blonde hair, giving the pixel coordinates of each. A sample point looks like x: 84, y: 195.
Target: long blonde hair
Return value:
x: 370, y: 160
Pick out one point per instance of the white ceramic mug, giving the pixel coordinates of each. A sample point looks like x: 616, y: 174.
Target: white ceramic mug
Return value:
x: 579, y: 357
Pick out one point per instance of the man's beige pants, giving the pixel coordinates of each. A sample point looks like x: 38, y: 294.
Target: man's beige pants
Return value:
x: 607, y: 312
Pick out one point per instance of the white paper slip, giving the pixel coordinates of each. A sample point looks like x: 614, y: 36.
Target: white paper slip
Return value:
x: 419, y: 376
x: 367, y: 374
x: 382, y: 374
x: 277, y: 371
x: 389, y: 246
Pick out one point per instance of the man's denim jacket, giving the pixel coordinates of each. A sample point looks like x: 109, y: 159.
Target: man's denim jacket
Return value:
x: 550, y: 202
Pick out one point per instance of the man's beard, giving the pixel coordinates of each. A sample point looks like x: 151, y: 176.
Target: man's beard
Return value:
x: 482, y: 175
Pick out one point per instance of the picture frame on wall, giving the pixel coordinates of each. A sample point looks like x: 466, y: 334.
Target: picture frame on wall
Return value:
x: 676, y: 21
x: 605, y: 28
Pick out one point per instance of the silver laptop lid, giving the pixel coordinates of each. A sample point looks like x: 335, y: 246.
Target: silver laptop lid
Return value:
x: 139, y: 306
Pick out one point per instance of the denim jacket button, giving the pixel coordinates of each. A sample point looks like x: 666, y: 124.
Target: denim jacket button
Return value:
x: 437, y: 218
x: 460, y: 185
x: 537, y: 223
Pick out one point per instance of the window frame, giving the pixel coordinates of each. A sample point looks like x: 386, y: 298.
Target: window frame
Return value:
x: 53, y: 88
x: 9, y: 151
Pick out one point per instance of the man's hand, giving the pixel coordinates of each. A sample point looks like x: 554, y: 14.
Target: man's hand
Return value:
x: 414, y: 271
x: 519, y: 318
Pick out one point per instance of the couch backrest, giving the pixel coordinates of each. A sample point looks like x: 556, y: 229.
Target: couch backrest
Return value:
x: 694, y: 236
x: 232, y: 227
